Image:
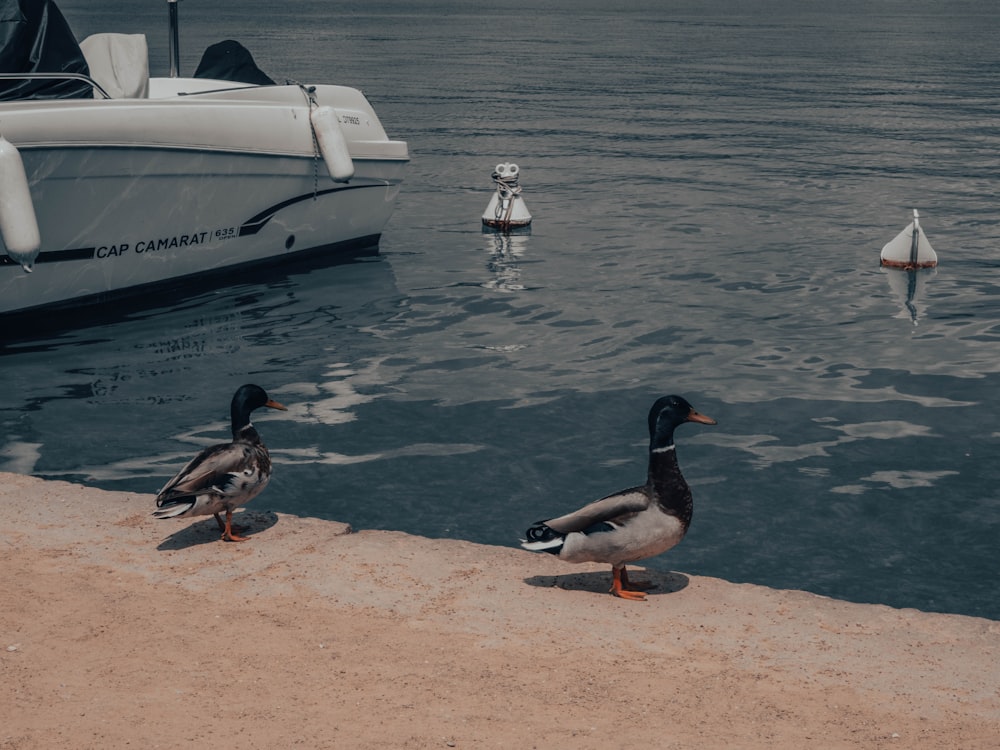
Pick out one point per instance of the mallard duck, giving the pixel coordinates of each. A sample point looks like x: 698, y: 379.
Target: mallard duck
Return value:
x: 223, y: 477
x: 633, y: 524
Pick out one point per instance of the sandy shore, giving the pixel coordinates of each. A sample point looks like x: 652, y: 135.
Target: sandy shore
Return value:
x: 118, y: 630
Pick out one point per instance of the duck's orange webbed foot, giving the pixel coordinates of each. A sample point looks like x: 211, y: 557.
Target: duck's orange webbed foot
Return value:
x: 619, y: 583
x: 230, y: 533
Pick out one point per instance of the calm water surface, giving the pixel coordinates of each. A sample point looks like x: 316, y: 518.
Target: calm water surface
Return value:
x: 711, y: 186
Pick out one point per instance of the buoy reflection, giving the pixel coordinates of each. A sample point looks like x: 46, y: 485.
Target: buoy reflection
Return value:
x: 909, y: 287
x: 506, y: 250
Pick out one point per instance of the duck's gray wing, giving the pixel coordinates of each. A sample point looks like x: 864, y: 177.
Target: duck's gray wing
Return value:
x: 212, y: 469
x: 610, y: 508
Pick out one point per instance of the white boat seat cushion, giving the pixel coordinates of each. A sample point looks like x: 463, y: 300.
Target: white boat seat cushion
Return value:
x: 119, y: 63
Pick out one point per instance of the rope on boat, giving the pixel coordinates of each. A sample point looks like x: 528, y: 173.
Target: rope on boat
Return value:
x: 329, y: 140
x: 309, y: 92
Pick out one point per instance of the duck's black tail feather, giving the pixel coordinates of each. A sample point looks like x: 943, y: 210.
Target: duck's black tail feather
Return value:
x: 174, y: 507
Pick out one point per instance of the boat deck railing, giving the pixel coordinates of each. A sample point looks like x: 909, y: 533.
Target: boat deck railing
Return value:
x: 56, y: 77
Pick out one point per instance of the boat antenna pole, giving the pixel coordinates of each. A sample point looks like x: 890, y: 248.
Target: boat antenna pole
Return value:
x: 175, y: 45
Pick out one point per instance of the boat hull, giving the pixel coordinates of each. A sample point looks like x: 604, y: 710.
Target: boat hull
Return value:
x: 129, y: 194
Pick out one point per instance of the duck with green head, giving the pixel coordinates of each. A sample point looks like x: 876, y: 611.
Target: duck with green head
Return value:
x: 632, y: 524
x: 223, y: 477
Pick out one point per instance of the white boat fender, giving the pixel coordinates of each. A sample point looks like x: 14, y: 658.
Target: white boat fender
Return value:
x: 332, y: 143
x: 506, y: 209
x: 910, y: 249
x: 18, y: 225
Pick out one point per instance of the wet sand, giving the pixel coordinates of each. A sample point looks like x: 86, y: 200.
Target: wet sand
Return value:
x: 119, y: 630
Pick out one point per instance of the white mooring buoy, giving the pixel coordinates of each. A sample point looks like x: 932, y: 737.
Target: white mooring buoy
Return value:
x: 910, y: 249
x: 18, y: 225
x: 506, y: 209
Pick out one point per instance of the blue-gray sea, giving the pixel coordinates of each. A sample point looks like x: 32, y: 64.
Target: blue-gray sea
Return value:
x: 711, y: 182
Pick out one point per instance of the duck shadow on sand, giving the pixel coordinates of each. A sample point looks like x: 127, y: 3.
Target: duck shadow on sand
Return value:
x: 600, y: 582
x: 206, y: 530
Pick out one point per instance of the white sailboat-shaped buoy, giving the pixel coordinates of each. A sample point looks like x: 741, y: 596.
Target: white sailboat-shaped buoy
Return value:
x: 910, y: 249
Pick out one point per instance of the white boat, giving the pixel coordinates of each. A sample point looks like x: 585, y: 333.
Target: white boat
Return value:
x: 138, y: 182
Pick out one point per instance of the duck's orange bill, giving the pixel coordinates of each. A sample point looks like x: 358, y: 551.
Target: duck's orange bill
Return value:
x: 275, y: 405
x: 696, y: 417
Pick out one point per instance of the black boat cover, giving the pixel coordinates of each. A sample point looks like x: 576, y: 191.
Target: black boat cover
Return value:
x: 35, y: 38
x: 231, y: 61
